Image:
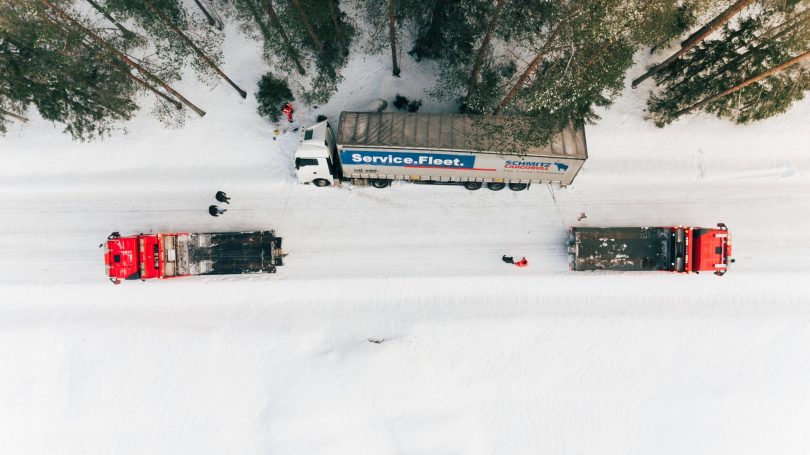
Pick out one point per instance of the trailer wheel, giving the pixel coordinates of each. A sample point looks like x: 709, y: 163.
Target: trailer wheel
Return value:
x: 472, y: 186
x: 496, y: 186
x: 320, y: 183
x: 380, y: 183
x: 518, y: 186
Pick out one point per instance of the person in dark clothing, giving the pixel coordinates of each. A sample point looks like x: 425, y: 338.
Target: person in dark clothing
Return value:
x: 508, y: 259
x: 222, y: 197
x: 213, y: 210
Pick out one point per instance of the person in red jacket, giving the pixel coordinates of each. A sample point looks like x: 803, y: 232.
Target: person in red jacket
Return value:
x: 522, y: 263
x: 288, y: 111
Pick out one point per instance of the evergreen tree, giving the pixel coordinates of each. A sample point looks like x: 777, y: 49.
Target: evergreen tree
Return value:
x: 272, y: 95
x: 323, y: 34
x: 385, y: 22
x: 160, y: 21
x: 580, y: 54
x: 714, y: 69
x: 53, y: 68
x: 696, y: 38
x: 446, y: 30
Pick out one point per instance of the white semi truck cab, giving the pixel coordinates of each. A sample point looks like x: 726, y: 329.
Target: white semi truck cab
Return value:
x: 314, y: 158
x: 377, y: 148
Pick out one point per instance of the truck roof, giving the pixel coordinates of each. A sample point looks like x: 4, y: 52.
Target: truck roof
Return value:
x: 458, y: 132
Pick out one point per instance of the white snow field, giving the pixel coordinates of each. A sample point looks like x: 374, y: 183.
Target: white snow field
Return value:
x: 477, y: 357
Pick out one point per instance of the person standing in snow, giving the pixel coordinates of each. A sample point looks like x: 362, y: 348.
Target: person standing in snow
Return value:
x: 213, y: 210
x: 222, y: 197
x: 288, y: 111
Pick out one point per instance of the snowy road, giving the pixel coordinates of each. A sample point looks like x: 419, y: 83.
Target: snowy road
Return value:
x: 407, y: 230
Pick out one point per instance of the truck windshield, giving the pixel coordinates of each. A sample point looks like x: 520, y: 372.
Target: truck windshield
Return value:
x: 305, y: 162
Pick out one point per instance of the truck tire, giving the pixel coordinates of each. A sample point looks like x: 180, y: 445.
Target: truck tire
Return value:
x: 472, y: 186
x: 380, y: 183
x: 518, y: 186
x: 496, y: 186
x: 320, y: 183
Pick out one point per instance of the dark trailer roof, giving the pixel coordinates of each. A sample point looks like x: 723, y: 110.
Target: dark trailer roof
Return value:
x: 622, y: 248
x: 236, y: 252
x: 451, y: 132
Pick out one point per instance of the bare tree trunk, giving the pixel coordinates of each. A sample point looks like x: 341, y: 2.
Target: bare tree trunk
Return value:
x: 271, y: 12
x: 59, y: 12
x: 124, y: 31
x: 335, y: 13
x: 744, y: 83
x: 482, y: 50
x: 694, y: 40
x: 530, y: 70
x: 191, y: 44
x: 207, y: 15
x: 392, y: 35
x: 308, y: 25
x: 14, y: 116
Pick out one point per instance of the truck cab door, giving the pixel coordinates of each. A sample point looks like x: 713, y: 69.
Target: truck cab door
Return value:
x: 311, y: 169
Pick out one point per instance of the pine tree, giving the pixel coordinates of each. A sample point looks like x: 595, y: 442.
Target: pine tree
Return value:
x: 751, y: 60
x: 385, y: 22
x: 71, y: 25
x: 574, y: 58
x: 52, y: 68
x: 272, y: 95
x: 190, y: 43
x: 173, y: 52
x: 322, y: 33
x: 696, y: 38
x: 448, y: 29
x: 261, y: 16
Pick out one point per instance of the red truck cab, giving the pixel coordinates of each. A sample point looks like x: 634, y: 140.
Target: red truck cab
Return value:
x: 132, y: 258
x: 710, y: 250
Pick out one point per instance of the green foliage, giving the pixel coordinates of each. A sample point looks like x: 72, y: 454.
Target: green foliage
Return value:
x: 170, y: 54
x: 748, y: 48
x: 448, y: 30
x: 272, y: 95
x: 570, y: 88
x: 67, y: 79
x: 314, y: 34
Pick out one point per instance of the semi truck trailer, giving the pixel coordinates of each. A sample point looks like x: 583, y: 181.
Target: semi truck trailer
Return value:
x: 172, y: 255
x: 377, y: 148
x: 674, y: 249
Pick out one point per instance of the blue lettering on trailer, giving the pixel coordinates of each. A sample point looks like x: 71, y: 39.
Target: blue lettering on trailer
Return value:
x: 408, y: 159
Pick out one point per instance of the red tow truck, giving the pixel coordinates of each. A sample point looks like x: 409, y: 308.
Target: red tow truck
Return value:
x: 178, y: 254
x: 674, y: 249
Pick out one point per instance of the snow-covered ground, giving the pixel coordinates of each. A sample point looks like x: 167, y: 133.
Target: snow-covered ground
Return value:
x: 476, y: 357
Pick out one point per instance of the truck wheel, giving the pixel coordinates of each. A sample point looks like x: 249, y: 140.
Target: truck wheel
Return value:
x: 472, y: 186
x: 518, y: 186
x: 380, y: 183
x: 496, y: 186
x: 320, y: 183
